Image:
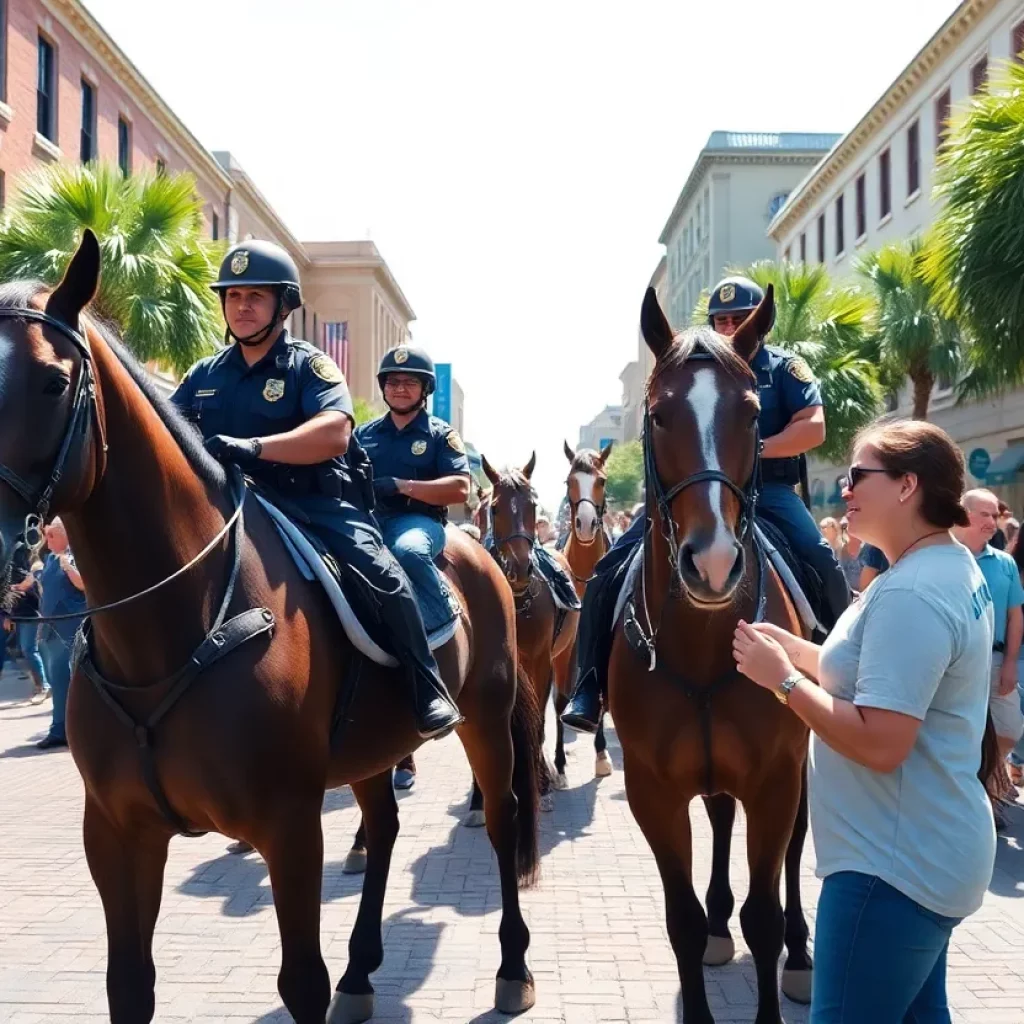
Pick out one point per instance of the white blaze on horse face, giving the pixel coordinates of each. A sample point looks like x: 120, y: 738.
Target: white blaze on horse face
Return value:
x: 585, y: 522
x: 714, y: 561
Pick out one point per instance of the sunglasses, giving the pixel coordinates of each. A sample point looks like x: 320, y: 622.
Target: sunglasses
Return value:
x: 855, y: 475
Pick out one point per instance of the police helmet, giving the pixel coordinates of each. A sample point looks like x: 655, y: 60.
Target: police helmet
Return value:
x: 409, y: 359
x: 256, y: 263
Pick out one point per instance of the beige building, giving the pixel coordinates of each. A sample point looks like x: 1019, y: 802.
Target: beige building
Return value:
x: 458, y: 420
x: 633, y: 380
x: 875, y: 187
x: 604, y: 427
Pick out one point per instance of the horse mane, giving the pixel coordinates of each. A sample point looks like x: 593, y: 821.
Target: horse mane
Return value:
x: 21, y: 293
x: 518, y: 481
x: 701, y: 341
x: 587, y: 461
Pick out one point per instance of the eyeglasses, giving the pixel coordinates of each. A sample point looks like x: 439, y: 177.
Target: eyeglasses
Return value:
x: 401, y: 383
x: 855, y: 475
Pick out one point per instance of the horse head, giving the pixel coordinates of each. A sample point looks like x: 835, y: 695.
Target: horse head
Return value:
x: 585, y: 487
x: 514, y: 521
x: 701, y: 447
x: 51, y: 449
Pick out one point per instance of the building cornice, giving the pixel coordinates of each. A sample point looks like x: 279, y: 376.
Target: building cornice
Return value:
x: 374, y: 265
x: 845, y: 151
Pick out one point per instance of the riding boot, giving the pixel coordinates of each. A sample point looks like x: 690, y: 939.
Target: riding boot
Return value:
x: 837, y: 593
x: 593, y: 645
x: 584, y: 710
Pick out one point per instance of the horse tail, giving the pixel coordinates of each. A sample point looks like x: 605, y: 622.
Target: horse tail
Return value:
x: 527, y: 719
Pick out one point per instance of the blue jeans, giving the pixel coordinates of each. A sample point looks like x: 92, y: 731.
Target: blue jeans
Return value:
x: 56, y: 654
x: 879, y: 957
x: 416, y: 540
x: 28, y: 641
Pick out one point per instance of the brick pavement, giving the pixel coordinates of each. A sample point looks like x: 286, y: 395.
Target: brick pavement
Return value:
x: 599, y: 951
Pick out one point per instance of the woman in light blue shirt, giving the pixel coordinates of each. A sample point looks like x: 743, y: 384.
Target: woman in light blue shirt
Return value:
x: 902, y: 827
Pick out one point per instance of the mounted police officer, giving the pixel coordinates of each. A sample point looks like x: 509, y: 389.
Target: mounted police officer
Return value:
x: 791, y: 423
x: 420, y: 467
x: 280, y: 409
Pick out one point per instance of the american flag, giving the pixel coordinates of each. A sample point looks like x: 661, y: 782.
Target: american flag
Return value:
x: 335, y: 342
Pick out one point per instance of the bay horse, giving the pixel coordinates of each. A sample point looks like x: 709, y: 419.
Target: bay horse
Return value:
x: 546, y: 635
x: 248, y: 749
x: 585, y: 546
x: 688, y: 723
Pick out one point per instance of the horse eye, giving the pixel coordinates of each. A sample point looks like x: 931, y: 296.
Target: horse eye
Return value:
x: 56, y: 386
x: 656, y: 420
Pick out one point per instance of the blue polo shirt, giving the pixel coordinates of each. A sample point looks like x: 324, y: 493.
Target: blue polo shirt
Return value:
x: 1000, y: 572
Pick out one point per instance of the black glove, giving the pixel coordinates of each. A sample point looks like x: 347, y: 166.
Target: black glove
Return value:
x: 385, y: 487
x: 240, y: 450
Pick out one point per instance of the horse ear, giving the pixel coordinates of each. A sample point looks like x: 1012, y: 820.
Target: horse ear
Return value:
x: 655, y: 328
x: 479, y: 494
x: 748, y: 336
x: 569, y: 453
x: 489, y: 470
x: 530, y: 466
x: 606, y: 451
x: 79, y: 284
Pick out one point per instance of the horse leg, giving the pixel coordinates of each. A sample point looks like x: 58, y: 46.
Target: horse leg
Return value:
x: 475, y: 817
x: 797, y: 972
x: 355, y: 862
x: 664, y: 818
x: 720, y: 948
x: 293, y: 847
x: 128, y: 869
x: 560, y: 781
x: 353, y: 1000
x: 603, y: 766
x: 770, y: 817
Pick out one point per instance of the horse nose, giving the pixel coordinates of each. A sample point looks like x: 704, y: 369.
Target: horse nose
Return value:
x: 710, y: 567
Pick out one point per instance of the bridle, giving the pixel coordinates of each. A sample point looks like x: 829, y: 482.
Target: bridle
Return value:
x: 83, y: 411
x: 498, y: 543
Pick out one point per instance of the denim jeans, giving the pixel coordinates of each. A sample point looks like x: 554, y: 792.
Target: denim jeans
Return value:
x: 28, y: 641
x: 416, y: 540
x: 879, y: 957
x: 56, y: 654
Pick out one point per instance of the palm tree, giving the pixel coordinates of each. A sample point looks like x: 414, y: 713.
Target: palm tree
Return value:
x: 157, y: 266
x: 828, y: 327
x: 974, y: 254
x: 912, y: 338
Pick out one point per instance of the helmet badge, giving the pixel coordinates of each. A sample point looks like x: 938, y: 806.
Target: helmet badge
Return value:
x: 401, y: 356
x: 727, y: 294
x: 240, y: 262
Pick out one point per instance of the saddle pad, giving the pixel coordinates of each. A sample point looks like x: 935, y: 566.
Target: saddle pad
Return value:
x: 789, y: 580
x: 628, y: 582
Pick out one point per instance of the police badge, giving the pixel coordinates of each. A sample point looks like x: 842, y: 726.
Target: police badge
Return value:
x: 240, y: 262
x: 273, y: 389
x: 419, y: 447
x: 728, y: 292
x: 455, y: 442
x: 401, y: 356
x: 800, y: 370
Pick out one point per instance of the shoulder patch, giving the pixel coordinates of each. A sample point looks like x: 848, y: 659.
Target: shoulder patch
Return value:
x: 799, y: 369
x: 455, y: 442
x: 326, y: 369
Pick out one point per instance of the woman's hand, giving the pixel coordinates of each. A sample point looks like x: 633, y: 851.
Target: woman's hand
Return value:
x: 760, y: 656
x: 786, y: 640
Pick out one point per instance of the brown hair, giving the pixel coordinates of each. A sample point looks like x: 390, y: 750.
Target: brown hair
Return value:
x: 914, y: 446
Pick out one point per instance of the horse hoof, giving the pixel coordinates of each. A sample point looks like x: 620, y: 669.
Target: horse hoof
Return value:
x: 560, y: 782
x: 719, y: 950
x: 547, y: 803
x: 346, y: 1008
x: 355, y: 864
x: 514, y: 996
x: 475, y: 819
x: 603, y: 766
x: 796, y: 985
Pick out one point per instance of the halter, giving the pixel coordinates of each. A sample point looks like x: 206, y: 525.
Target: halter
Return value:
x: 499, y: 542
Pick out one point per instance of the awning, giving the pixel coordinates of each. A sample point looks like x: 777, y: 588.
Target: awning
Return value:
x: 1005, y: 466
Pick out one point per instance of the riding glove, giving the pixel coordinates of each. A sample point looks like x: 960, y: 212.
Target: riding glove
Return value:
x: 240, y: 450
x: 385, y: 487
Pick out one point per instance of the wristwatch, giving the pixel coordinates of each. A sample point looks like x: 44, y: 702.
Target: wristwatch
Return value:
x: 257, y: 447
x: 787, y: 686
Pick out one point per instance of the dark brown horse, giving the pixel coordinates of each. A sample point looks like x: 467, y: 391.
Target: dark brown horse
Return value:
x: 249, y: 749
x: 688, y: 723
x: 545, y: 633
x: 585, y: 546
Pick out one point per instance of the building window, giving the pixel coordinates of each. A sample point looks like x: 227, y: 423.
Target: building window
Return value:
x: 161, y: 167
x: 803, y: 246
x: 788, y: 255
x: 124, y: 146
x: 1017, y: 41
x: 979, y: 75
x: 943, y: 106
x: 215, y: 227
x: 821, y: 238
x: 88, y: 146
x: 914, y: 158
x: 840, y: 225
x: 3, y: 50
x: 862, y: 206
x: 3, y: 190
x: 884, y: 184
x: 46, y: 91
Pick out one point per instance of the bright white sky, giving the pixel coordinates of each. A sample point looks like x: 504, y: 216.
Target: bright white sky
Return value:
x: 514, y: 162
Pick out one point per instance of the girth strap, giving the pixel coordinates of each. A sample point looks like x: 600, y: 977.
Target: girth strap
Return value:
x: 217, y: 645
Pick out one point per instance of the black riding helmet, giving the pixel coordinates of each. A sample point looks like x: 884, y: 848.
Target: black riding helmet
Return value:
x: 735, y: 295
x: 256, y: 263
x: 410, y: 359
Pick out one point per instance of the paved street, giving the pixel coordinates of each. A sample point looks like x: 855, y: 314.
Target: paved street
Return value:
x: 599, y: 951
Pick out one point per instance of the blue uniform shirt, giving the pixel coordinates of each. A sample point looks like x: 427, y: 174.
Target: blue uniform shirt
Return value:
x: 60, y: 597
x: 426, y: 449
x: 1000, y: 572
x: 785, y: 387
x: 291, y: 384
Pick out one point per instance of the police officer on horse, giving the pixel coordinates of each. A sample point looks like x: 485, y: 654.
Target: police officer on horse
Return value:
x: 791, y: 423
x: 420, y: 467
x: 280, y: 409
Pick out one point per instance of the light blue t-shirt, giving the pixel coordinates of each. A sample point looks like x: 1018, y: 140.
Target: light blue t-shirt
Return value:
x: 1003, y: 579
x: 919, y: 641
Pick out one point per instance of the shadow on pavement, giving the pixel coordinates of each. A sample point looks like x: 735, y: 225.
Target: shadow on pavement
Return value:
x: 1008, y: 874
